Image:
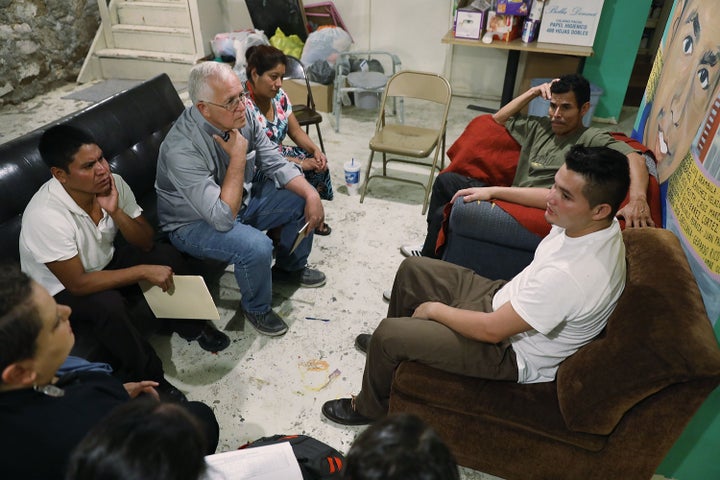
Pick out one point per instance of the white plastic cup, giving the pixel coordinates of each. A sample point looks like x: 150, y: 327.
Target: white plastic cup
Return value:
x: 352, y: 176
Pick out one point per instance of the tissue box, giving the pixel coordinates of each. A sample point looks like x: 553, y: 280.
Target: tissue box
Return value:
x: 469, y: 23
x: 503, y: 27
x: 513, y: 7
x: 570, y: 22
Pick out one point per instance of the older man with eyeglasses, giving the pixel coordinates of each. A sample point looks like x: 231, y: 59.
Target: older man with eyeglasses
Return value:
x: 213, y: 203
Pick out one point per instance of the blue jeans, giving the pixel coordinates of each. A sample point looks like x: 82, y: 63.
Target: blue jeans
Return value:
x: 248, y: 248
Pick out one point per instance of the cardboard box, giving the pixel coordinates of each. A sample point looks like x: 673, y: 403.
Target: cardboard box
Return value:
x: 503, y: 27
x: 570, y: 22
x: 322, y: 94
x: 536, y: 10
x: 468, y: 11
x: 513, y: 7
x: 469, y: 23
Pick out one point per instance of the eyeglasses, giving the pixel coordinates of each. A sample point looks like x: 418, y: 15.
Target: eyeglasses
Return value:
x: 231, y: 105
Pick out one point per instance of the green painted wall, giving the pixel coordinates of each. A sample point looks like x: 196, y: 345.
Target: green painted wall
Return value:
x: 616, y: 44
x: 695, y: 455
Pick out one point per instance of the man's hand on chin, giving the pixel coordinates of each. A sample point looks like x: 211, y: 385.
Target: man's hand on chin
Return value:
x: 108, y: 199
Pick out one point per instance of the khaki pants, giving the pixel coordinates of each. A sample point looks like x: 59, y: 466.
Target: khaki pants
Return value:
x: 401, y: 338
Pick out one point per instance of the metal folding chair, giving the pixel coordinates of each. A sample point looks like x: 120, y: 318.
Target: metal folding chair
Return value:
x: 305, y: 114
x: 408, y: 143
x: 342, y: 70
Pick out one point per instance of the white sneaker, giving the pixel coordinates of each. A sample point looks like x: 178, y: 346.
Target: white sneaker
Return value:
x: 386, y: 295
x: 411, y: 250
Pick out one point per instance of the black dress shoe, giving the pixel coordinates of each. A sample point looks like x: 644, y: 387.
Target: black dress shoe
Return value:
x: 210, y: 339
x: 169, y: 393
x: 341, y: 411
x: 213, y: 340
x: 362, y: 341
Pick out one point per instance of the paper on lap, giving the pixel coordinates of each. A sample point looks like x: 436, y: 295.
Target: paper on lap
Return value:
x: 189, y: 299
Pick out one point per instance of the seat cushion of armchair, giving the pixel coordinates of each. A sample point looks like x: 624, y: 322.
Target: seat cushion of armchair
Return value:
x: 532, y: 409
x: 653, y: 339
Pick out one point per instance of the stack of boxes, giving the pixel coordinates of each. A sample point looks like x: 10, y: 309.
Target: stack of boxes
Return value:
x: 503, y: 20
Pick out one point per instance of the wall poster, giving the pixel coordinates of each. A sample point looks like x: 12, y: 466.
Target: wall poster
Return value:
x: 678, y: 120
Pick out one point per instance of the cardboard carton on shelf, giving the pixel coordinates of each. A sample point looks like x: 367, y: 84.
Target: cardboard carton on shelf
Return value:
x: 469, y: 23
x: 322, y: 94
x: 470, y: 18
x: 502, y: 27
x: 513, y: 7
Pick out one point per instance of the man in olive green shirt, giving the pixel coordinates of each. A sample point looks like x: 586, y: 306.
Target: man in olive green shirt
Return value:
x: 544, y: 142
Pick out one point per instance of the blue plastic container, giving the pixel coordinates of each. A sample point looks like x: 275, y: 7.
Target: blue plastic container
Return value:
x: 539, y: 106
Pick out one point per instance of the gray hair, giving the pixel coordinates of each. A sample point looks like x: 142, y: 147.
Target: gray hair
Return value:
x: 198, y: 87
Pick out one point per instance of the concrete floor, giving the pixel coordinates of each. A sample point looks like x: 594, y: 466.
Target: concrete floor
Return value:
x: 261, y: 386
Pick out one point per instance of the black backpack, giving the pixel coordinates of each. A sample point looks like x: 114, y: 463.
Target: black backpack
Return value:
x: 318, y: 461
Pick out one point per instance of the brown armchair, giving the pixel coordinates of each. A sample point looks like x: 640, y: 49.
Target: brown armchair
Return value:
x: 617, y: 405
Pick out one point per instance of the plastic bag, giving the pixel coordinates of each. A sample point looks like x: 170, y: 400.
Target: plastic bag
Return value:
x: 291, y: 45
x: 241, y: 45
x: 324, y: 45
x: 320, y: 72
x: 223, y: 44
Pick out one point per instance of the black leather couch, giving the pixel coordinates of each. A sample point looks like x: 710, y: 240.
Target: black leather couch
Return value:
x: 129, y: 127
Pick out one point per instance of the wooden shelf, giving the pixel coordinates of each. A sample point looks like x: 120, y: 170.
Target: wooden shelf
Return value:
x: 517, y: 44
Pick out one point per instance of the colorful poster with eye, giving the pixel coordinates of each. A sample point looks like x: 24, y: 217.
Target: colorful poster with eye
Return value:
x: 678, y: 121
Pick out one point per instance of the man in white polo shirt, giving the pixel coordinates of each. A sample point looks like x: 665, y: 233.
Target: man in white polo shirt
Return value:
x: 66, y: 245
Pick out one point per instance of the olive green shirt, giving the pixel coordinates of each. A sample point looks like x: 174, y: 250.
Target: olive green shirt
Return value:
x: 542, y: 153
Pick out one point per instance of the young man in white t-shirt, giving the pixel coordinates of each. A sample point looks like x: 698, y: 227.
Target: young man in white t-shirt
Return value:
x: 450, y: 318
x: 67, y: 246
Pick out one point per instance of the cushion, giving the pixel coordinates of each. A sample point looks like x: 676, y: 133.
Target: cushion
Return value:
x: 485, y: 151
x: 496, y: 405
x: 658, y: 335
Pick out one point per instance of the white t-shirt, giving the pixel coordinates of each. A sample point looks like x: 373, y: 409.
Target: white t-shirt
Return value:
x: 566, y: 294
x: 55, y: 228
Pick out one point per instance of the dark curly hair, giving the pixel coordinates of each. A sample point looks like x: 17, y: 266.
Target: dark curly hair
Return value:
x: 400, y: 447
x: 144, y: 440
x: 20, y: 322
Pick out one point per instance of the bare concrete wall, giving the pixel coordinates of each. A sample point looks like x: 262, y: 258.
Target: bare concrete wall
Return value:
x: 43, y: 44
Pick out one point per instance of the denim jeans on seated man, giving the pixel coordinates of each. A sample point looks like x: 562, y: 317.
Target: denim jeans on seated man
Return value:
x: 248, y: 248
